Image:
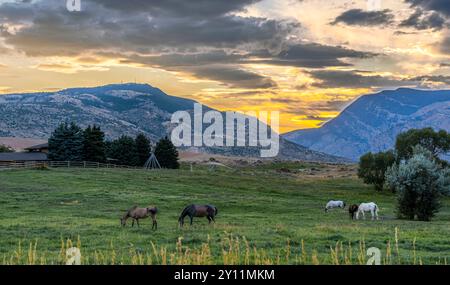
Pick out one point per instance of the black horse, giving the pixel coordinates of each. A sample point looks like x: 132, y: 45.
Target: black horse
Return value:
x: 352, y: 211
x: 208, y: 211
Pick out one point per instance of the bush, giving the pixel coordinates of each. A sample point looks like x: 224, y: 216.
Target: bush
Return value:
x: 419, y: 183
x: 372, y: 168
x: 4, y: 148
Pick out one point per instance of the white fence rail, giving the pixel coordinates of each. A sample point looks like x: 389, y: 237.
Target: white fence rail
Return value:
x: 62, y: 164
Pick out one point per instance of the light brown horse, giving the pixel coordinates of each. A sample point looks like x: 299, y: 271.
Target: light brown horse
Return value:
x: 136, y: 214
x: 208, y: 211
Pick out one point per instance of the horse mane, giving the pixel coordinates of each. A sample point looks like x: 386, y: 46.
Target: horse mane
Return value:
x: 185, y: 211
x: 214, y: 208
x: 128, y: 212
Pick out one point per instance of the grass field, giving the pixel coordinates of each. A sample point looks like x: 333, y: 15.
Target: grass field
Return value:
x: 265, y: 216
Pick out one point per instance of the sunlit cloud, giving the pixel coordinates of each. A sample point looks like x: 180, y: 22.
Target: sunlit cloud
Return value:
x: 307, y: 59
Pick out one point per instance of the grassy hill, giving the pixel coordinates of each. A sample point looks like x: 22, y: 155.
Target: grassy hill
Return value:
x: 272, y: 213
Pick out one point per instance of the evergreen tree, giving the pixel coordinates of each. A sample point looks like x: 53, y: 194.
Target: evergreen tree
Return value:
x: 167, y: 154
x: 142, y: 148
x: 66, y: 143
x: 94, y: 144
x: 123, y: 151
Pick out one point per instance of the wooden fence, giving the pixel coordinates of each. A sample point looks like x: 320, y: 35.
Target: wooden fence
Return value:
x: 62, y: 164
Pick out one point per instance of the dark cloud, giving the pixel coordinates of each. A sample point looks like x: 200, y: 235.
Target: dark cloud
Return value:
x: 49, y: 29
x: 233, y: 76
x: 401, y: 33
x: 422, y: 20
x: 177, y: 8
x: 352, y: 79
x: 176, y: 35
x: 358, y: 17
x: 357, y: 79
x: 204, y: 38
x: 175, y: 60
x: 432, y: 78
x: 441, y: 6
x: 215, y: 65
x: 311, y: 56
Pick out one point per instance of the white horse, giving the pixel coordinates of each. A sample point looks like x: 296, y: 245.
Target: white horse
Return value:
x: 334, y: 204
x: 368, y: 207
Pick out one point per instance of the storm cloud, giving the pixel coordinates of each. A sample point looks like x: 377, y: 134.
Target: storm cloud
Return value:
x: 422, y: 20
x: 441, y: 6
x: 358, y: 17
x: 352, y: 79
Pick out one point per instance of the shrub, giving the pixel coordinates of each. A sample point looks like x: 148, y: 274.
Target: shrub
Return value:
x: 5, y: 148
x: 419, y: 183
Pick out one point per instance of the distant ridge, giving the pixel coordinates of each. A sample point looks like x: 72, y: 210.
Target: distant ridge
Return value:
x: 120, y: 109
x: 372, y: 122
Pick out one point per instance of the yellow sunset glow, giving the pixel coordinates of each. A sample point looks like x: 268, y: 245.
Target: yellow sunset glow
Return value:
x: 347, y: 60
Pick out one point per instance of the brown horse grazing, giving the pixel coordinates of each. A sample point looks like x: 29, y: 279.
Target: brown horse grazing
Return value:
x: 352, y: 211
x: 208, y: 211
x: 136, y: 214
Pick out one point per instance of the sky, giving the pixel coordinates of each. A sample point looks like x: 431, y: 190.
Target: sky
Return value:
x: 307, y: 59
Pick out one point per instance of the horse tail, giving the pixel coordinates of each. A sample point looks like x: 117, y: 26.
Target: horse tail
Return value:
x: 216, y: 211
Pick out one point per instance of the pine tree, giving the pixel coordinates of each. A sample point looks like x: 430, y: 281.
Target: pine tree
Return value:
x: 66, y: 143
x: 167, y: 154
x: 123, y: 151
x: 142, y: 148
x: 94, y: 144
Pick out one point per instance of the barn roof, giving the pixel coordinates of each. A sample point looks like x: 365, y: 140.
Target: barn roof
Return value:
x: 23, y: 156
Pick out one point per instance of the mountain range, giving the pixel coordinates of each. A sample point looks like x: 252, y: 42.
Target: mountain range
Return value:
x: 120, y: 109
x: 372, y: 122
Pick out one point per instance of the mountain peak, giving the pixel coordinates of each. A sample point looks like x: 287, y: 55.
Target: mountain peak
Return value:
x: 372, y: 122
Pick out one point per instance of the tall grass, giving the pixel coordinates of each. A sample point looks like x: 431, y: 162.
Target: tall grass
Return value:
x: 233, y: 251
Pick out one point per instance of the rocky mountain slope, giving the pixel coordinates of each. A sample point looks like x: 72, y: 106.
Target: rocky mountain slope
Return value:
x: 120, y: 109
x: 372, y: 122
